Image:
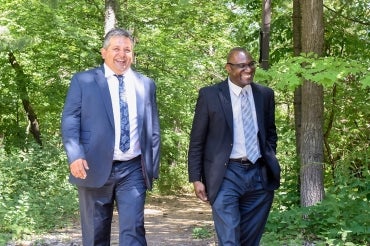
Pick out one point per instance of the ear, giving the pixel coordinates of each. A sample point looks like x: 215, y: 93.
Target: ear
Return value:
x: 228, y: 68
x: 103, y: 52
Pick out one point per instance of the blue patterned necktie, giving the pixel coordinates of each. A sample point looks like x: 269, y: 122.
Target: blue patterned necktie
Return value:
x: 124, y: 143
x: 251, y: 142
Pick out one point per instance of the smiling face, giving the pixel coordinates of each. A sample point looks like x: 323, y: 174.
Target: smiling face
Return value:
x: 241, y: 67
x: 118, y: 54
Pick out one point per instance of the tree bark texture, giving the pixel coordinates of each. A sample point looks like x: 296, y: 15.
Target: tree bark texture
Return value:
x: 110, y: 19
x: 297, y: 48
x: 312, y: 139
x: 312, y: 37
x: 297, y: 22
x: 312, y: 149
x: 21, y: 81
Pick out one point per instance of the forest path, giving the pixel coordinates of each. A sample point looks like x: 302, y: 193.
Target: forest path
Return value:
x: 169, y: 220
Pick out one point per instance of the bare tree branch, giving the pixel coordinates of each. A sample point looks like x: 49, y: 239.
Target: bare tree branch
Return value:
x: 366, y: 23
x: 21, y: 83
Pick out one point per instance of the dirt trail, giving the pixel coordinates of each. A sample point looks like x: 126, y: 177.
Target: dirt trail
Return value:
x: 169, y: 220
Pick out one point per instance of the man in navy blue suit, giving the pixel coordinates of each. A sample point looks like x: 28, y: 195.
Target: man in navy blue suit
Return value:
x: 231, y: 161
x: 103, y: 171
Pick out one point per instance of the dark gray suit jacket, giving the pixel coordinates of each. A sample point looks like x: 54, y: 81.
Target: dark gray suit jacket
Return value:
x: 88, y: 126
x: 211, y: 138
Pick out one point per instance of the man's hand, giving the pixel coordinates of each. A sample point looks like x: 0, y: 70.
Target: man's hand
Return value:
x: 200, y: 191
x: 78, y: 168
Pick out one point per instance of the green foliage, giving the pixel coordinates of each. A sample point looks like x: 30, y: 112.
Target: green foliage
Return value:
x: 343, y: 218
x: 173, y: 172
x: 290, y: 72
x: 49, y: 45
x: 347, y: 29
x: 202, y: 232
x: 182, y: 45
x: 35, y: 193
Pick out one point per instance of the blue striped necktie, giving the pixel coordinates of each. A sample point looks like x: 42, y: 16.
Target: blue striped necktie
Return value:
x: 250, y: 133
x: 124, y: 143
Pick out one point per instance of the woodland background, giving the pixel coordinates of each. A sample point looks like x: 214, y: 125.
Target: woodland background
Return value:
x: 322, y: 98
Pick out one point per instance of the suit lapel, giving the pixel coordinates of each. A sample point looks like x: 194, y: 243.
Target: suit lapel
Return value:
x: 258, y: 103
x: 224, y: 95
x: 103, y: 85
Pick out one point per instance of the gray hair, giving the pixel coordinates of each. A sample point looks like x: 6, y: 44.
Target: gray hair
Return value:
x: 117, y: 32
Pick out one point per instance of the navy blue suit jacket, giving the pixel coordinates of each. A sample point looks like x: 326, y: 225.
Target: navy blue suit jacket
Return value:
x: 88, y: 126
x: 211, y: 139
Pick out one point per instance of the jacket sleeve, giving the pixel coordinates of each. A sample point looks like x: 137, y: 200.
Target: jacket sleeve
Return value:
x: 156, y: 134
x: 198, y: 138
x: 70, y: 124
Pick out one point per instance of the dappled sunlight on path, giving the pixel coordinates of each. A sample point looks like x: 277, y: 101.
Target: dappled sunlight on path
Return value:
x: 169, y: 220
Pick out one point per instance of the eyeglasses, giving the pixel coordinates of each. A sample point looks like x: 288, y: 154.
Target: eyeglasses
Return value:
x: 250, y: 65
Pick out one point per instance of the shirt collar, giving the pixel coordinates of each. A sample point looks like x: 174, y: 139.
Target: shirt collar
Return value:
x: 237, y: 89
x: 109, y: 72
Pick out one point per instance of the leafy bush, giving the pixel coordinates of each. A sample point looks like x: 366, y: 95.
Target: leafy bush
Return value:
x: 342, y: 218
x: 35, y: 193
x: 173, y: 170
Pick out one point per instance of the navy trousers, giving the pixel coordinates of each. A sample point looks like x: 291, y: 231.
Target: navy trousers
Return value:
x: 126, y: 187
x: 241, y: 207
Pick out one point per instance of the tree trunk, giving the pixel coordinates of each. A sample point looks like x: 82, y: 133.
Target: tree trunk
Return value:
x: 110, y: 15
x: 297, y: 23
x: 312, y: 139
x: 21, y: 80
x: 265, y: 34
x: 297, y: 48
x: 312, y: 185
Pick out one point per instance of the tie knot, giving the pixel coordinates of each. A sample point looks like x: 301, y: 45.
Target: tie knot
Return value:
x: 244, y: 92
x: 119, y: 77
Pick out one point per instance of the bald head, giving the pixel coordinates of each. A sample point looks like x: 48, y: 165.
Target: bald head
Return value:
x: 240, y: 66
x: 235, y: 51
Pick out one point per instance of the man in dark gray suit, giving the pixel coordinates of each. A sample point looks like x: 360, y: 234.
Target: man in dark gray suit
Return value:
x: 231, y: 161
x: 110, y: 131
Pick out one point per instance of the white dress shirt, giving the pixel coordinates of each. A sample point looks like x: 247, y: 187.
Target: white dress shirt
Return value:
x: 113, y: 84
x: 238, y: 150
